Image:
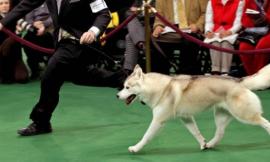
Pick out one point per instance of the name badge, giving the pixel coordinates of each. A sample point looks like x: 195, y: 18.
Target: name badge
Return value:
x: 98, y: 5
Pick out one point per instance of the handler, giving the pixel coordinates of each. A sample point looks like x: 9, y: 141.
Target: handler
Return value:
x: 77, y: 23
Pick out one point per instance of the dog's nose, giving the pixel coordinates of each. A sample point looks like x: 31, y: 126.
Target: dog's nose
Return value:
x: 117, y: 96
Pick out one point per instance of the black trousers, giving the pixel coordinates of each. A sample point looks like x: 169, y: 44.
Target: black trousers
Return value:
x: 70, y: 62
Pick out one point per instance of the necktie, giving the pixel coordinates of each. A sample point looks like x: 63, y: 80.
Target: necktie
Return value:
x: 182, y: 15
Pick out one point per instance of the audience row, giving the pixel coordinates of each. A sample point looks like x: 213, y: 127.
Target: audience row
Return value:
x: 231, y: 24
x: 218, y: 22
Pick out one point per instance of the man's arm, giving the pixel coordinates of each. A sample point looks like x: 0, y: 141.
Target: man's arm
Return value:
x: 99, y: 26
x: 101, y: 22
x: 201, y: 20
x: 20, y: 11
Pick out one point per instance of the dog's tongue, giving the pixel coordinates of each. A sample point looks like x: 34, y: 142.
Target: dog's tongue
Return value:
x: 130, y: 99
x: 127, y: 102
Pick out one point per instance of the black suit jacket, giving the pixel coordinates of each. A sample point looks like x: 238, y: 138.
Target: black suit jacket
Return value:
x: 76, y: 17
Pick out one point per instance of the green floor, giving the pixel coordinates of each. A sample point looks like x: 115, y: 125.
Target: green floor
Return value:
x: 91, y: 125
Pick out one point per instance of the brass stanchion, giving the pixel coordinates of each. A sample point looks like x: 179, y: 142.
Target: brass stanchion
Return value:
x: 147, y: 36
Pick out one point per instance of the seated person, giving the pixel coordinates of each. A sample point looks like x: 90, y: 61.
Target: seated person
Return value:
x: 254, y: 62
x: 12, y: 68
x: 40, y: 34
x: 222, y: 33
x: 135, y: 38
x: 189, y: 16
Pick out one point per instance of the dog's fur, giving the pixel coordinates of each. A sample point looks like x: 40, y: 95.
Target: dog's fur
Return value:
x: 184, y: 96
x: 258, y: 81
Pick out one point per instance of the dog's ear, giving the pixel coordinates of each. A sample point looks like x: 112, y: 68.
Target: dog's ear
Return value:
x: 137, y: 67
x: 138, y: 71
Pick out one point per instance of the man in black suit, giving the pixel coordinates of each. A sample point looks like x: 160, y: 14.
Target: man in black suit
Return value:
x: 77, y: 25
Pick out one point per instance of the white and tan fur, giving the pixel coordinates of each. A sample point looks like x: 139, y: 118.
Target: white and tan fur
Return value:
x: 184, y: 96
x: 258, y: 81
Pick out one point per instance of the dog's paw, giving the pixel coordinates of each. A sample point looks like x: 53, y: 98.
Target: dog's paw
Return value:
x: 209, y: 145
x: 204, y: 147
x: 133, y: 149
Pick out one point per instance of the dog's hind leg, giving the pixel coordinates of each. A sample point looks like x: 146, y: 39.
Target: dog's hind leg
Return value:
x: 222, y: 119
x: 160, y: 115
x: 249, y: 111
x: 257, y: 119
x: 265, y: 124
x: 191, y: 125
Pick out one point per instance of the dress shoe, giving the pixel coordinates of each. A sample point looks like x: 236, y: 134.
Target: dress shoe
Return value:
x: 35, y: 129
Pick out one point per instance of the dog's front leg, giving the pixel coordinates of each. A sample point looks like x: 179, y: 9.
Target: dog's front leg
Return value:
x: 194, y: 130
x: 149, y: 134
x: 159, y: 117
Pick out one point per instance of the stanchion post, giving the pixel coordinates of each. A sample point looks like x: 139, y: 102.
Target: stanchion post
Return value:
x: 147, y: 37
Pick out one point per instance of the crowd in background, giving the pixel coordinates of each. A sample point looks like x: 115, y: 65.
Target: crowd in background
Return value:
x: 222, y: 23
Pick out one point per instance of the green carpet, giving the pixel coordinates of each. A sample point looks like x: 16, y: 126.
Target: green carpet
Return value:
x: 91, y: 125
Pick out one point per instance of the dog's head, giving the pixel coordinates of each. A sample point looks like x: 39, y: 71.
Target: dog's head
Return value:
x: 132, y: 86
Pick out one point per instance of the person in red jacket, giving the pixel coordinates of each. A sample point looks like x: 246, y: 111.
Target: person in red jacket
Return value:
x: 254, y: 62
x: 222, y: 24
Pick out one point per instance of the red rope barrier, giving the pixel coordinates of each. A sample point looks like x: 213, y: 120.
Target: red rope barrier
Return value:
x: 124, y: 23
x: 27, y: 43
x: 201, y: 43
x: 50, y: 51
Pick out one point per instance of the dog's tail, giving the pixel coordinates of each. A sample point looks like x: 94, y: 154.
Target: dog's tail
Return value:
x: 258, y: 81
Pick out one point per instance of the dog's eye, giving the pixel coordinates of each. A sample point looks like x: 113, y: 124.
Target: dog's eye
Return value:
x: 127, y: 87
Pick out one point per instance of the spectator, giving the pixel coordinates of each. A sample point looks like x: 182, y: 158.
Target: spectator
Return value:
x: 41, y: 35
x: 12, y: 68
x: 189, y: 16
x: 135, y: 38
x: 254, y: 62
x: 223, y: 21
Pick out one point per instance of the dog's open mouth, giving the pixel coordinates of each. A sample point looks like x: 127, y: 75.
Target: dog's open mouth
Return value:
x: 130, y: 99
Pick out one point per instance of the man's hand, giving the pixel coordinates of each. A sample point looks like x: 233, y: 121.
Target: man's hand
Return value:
x: 1, y: 26
x: 87, y: 37
x: 193, y: 28
x: 39, y: 25
x: 157, y: 31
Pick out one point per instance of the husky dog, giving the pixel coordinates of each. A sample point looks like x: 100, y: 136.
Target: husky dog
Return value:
x: 184, y: 96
